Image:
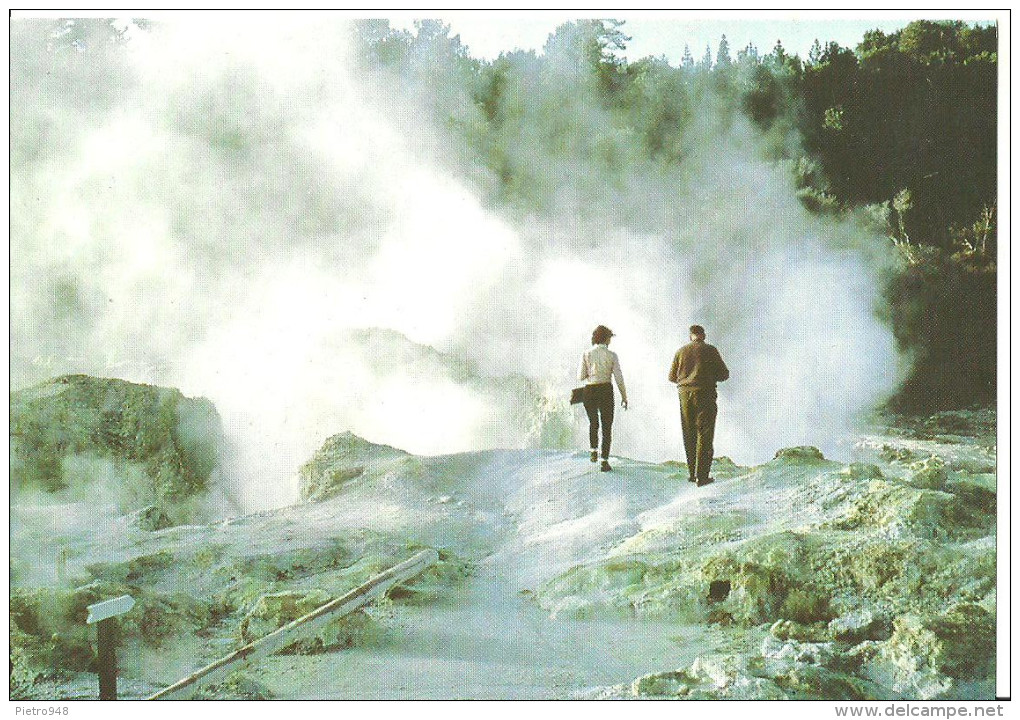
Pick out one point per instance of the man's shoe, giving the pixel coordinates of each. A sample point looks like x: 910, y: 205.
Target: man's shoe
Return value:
x: 705, y: 481
x: 605, y: 466
x: 692, y: 479
x: 594, y: 455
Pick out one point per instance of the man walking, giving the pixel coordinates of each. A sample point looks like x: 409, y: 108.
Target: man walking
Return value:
x: 697, y: 367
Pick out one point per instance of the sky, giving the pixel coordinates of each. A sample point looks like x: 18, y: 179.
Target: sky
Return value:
x: 487, y: 33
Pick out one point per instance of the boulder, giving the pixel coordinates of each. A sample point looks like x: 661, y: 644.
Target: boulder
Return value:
x: 76, y: 421
x: 927, y: 654
x: 150, y: 518
x: 861, y: 471
x: 792, y: 651
x: 860, y: 625
x: 723, y: 467
x: 809, y: 682
x: 676, y: 683
x: 238, y: 686
x: 902, y: 510
x: 274, y: 610
x: 344, y: 457
x: 811, y: 671
x: 800, y: 453
x: 710, y: 677
x: 907, y: 661
x: 929, y: 474
x: 793, y: 630
x: 966, y: 632
x: 891, y: 453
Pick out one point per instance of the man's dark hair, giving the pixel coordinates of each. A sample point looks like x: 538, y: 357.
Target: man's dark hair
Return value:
x: 601, y: 335
x: 698, y: 330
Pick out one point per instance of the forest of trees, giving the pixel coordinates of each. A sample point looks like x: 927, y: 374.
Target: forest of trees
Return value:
x: 900, y: 129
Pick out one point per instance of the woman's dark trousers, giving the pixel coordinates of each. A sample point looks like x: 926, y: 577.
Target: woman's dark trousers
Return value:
x: 598, y: 401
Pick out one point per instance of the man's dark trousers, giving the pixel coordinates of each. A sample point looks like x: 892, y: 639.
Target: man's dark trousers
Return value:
x: 697, y: 415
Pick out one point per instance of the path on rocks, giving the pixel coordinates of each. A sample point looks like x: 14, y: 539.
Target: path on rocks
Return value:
x: 521, y: 517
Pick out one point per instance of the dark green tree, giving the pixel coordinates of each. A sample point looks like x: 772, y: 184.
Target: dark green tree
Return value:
x: 687, y: 61
x: 658, y: 106
x: 590, y: 49
x: 706, y: 59
x: 722, y: 55
x: 815, y: 53
x: 748, y: 56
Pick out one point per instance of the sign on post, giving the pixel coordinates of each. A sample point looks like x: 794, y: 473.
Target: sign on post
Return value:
x: 109, y: 608
x: 103, y: 615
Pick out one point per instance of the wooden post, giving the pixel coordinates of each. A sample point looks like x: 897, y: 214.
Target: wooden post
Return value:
x: 313, y: 621
x: 106, y: 660
x: 104, y: 616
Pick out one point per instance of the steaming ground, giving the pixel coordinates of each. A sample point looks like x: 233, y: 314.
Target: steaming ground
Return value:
x: 226, y: 220
x: 869, y: 580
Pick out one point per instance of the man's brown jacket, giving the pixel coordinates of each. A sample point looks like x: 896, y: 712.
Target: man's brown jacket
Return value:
x: 698, y: 364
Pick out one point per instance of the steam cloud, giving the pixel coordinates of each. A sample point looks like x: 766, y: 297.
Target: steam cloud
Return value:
x: 245, y: 202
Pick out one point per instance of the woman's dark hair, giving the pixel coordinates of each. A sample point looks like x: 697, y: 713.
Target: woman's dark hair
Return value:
x: 601, y: 335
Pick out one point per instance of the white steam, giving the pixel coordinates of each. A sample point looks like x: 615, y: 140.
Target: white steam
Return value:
x: 248, y: 201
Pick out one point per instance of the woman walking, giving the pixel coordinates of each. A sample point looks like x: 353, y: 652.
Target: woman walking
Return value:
x: 599, y: 365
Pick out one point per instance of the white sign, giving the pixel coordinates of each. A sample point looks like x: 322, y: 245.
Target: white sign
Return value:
x: 109, y: 608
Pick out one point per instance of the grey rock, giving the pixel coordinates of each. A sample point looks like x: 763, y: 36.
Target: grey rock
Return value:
x: 801, y: 452
x: 343, y: 458
x: 860, y: 625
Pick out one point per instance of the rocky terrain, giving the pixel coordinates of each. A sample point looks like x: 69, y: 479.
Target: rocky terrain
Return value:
x: 148, y: 450
x: 802, y: 577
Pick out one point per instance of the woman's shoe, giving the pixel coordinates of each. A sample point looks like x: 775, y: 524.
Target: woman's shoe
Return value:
x: 605, y: 466
x: 594, y: 455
